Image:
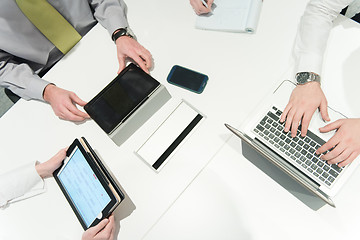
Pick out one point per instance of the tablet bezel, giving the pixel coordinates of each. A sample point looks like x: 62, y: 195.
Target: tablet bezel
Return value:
x: 99, y: 174
x: 91, y: 107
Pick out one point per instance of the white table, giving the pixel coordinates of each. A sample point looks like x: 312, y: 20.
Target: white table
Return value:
x: 240, y: 195
x: 39, y: 135
x: 241, y: 69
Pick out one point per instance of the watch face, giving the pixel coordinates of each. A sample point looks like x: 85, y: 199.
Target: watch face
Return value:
x: 302, y: 77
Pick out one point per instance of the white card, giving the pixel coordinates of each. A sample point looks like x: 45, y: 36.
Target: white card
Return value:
x: 166, y: 138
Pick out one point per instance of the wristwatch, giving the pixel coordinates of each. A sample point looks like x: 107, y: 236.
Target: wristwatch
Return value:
x: 122, y: 32
x: 305, y: 77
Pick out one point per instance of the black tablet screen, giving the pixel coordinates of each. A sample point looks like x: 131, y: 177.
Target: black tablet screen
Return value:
x: 115, y: 102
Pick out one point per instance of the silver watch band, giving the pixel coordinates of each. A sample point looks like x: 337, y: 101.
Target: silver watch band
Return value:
x: 305, y: 77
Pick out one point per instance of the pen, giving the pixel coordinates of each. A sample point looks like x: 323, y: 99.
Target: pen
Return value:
x: 205, y: 3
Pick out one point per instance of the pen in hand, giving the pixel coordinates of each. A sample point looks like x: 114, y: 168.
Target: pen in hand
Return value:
x: 204, y: 2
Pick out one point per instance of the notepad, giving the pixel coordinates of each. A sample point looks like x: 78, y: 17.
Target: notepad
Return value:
x: 231, y: 16
x: 169, y: 135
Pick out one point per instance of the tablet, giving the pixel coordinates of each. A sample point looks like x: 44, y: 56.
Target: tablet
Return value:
x: 85, y: 186
x: 120, y: 98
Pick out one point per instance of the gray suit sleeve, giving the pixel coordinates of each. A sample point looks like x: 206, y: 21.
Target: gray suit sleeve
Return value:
x: 20, y: 78
x: 110, y: 13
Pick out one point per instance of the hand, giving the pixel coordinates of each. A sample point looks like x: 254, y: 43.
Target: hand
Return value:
x: 346, y: 142
x: 304, y: 100
x: 47, y: 168
x: 105, y: 230
x: 63, y: 103
x: 128, y: 47
x: 199, y: 7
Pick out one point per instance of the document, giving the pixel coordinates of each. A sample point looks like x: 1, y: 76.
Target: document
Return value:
x: 231, y: 16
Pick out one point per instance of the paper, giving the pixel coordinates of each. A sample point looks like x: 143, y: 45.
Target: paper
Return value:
x: 231, y: 16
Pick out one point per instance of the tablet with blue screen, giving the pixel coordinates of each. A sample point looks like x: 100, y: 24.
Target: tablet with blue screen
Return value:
x: 87, y: 185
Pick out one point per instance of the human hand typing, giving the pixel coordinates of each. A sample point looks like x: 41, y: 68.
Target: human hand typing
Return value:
x: 345, y: 142
x: 304, y: 100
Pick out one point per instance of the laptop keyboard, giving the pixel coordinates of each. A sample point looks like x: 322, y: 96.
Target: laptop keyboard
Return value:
x: 300, y: 150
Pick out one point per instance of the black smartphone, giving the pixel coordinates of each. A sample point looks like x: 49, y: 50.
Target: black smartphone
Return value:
x: 188, y: 79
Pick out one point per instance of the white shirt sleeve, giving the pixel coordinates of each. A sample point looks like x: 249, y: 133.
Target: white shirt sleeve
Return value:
x: 313, y: 33
x: 21, y: 183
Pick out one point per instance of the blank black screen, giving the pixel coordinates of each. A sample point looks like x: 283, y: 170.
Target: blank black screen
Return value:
x: 130, y: 88
x: 186, y: 78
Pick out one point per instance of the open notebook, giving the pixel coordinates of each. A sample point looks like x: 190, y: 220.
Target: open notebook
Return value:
x: 231, y: 16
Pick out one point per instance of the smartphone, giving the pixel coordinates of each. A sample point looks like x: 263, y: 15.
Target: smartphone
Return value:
x: 188, y: 79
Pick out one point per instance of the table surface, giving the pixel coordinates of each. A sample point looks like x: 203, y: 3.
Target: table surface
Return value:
x: 240, y: 195
x: 212, y: 187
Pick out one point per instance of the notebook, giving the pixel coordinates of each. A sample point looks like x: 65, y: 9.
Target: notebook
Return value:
x: 87, y: 184
x: 295, y: 156
x: 231, y: 16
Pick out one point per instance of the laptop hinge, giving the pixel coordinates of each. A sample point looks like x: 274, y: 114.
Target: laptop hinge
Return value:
x: 284, y: 165
x: 287, y: 167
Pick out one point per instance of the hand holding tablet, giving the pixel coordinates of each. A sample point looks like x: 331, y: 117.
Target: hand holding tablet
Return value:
x: 87, y: 185
x: 105, y: 230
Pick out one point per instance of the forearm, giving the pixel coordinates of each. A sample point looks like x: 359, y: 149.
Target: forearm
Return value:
x: 21, y: 80
x: 313, y: 33
x: 110, y: 14
x: 20, y: 183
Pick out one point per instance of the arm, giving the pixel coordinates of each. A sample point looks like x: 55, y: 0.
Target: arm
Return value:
x: 313, y: 33
x: 111, y: 15
x: 26, y: 181
x: 310, y: 45
x: 15, y: 184
x: 20, y: 78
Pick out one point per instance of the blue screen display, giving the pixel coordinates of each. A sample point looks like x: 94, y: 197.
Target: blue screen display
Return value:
x: 83, y: 187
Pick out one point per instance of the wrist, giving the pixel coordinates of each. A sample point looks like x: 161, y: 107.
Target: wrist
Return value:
x: 122, y: 32
x: 309, y: 85
x: 303, y: 78
x: 40, y: 170
x: 48, y: 92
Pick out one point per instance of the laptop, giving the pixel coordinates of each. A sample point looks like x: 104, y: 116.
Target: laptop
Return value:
x: 295, y: 156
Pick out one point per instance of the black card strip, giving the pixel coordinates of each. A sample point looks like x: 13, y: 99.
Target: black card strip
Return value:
x: 177, y: 141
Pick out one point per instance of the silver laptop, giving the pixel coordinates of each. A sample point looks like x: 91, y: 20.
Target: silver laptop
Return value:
x: 295, y: 156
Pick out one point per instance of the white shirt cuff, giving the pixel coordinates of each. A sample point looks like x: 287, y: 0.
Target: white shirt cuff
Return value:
x: 309, y: 63
x: 19, y: 184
